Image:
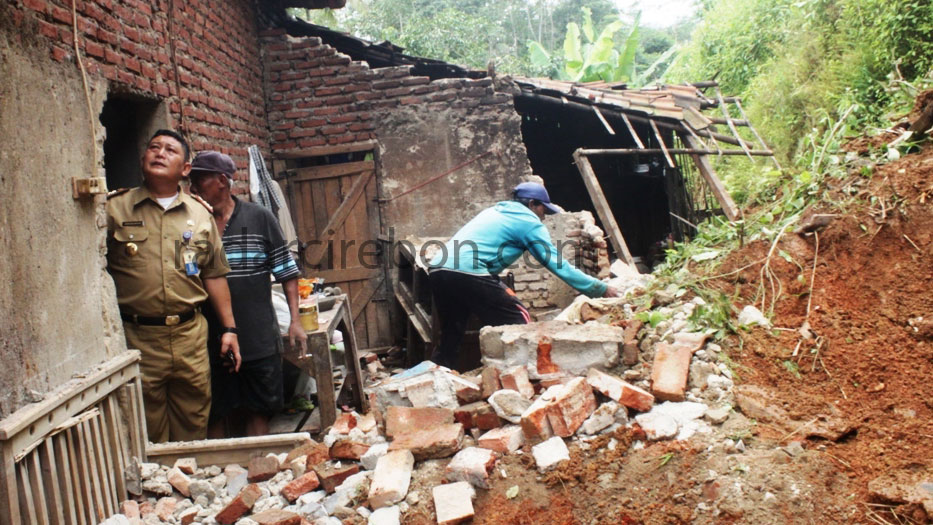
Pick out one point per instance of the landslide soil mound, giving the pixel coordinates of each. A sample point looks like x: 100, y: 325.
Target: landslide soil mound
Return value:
x: 870, y: 356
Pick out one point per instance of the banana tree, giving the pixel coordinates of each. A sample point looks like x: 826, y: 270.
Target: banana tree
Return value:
x: 598, y: 58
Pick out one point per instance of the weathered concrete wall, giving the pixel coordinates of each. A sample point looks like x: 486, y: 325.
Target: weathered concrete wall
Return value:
x: 58, y: 304
x: 581, y: 243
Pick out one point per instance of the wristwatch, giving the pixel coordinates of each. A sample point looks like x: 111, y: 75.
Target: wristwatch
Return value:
x: 228, y: 330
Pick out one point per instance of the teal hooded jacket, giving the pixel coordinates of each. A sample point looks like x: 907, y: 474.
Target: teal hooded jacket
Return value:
x: 498, y: 236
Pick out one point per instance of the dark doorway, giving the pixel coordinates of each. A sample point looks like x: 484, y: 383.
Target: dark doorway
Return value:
x: 638, y: 188
x: 129, y: 120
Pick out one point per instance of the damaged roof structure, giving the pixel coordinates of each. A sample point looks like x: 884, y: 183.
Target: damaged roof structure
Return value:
x: 368, y: 144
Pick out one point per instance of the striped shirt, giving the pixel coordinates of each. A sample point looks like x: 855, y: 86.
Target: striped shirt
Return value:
x: 256, y: 249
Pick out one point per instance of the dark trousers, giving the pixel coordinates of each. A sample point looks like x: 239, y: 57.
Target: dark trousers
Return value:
x: 457, y: 295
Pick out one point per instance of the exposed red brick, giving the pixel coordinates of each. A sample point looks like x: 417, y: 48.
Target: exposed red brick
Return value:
x: 302, y: 485
x: 410, y: 419
x: 516, y: 378
x: 348, y: 449
x: 262, y: 468
x: 437, y: 442
x: 571, y: 406
x: 276, y: 517
x: 670, y: 370
x: 240, y: 505
x: 332, y: 476
x: 491, y: 381
x: 620, y: 391
x: 479, y: 414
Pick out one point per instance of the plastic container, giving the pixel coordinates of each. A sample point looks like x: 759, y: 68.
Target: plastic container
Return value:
x: 307, y: 313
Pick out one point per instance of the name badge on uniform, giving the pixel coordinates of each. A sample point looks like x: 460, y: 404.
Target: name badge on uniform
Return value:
x: 189, y: 255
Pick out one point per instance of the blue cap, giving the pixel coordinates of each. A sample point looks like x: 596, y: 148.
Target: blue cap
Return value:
x: 533, y: 190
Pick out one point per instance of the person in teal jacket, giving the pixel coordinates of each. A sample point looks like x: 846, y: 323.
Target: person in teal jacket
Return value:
x: 464, y: 274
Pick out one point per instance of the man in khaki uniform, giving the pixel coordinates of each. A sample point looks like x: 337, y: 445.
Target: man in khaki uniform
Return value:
x: 166, y: 258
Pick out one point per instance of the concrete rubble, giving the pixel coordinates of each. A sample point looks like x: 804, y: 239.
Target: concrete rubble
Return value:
x: 543, y: 386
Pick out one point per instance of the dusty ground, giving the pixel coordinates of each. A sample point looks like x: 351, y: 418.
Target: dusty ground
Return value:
x: 867, y: 365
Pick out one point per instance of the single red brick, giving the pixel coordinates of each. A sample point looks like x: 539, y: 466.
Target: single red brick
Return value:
x: 240, y: 505
x: 516, y: 378
x: 440, y: 441
x: 299, y: 486
x: 348, y: 449
x: 408, y: 419
x: 670, y: 370
x: 620, y: 391
x: 535, y: 424
x: 479, y: 414
x: 503, y: 440
x: 491, y: 381
x: 262, y: 468
x: 571, y: 406
x: 276, y: 517
x: 331, y: 476
x: 301, y: 450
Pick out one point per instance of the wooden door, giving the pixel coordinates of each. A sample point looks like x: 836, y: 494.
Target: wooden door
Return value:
x: 336, y: 215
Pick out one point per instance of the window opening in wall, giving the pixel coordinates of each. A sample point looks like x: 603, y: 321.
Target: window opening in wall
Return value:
x: 129, y: 121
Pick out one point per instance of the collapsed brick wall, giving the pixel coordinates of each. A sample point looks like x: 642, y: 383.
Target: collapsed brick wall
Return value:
x: 319, y: 99
x: 581, y: 243
x: 66, y: 314
x: 129, y: 43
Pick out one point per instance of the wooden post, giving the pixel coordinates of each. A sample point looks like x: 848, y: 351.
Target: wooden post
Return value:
x: 9, y: 498
x: 602, y: 207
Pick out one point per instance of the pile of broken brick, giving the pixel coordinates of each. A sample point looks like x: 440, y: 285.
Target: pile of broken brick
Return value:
x: 542, y: 383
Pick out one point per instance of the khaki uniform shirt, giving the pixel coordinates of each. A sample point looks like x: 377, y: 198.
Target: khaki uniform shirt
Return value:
x: 145, y: 252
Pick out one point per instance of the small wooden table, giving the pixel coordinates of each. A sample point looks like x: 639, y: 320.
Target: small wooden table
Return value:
x: 317, y: 362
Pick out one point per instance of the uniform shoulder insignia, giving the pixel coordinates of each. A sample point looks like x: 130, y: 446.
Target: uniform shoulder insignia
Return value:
x: 116, y: 192
x: 202, y: 201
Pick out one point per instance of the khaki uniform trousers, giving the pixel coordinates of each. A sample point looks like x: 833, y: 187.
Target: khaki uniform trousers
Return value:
x: 176, y: 378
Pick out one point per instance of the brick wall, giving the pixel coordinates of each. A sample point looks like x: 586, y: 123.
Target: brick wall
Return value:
x: 319, y: 99
x: 581, y: 243
x: 127, y: 42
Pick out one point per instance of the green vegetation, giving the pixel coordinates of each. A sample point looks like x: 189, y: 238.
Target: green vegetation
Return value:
x: 802, y: 65
x: 578, y: 39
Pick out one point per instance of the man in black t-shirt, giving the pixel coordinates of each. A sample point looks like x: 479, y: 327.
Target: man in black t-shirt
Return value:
x: 255, y: 249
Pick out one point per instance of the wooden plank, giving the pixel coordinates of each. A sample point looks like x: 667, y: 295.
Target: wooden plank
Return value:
x: 695, y: 119
x: 68, y: 488
x: 328, y: 171
x: 112, y: 425
x: 37, y: 488
x: 40, y: 418
x: 319, y: 346
x: 636, y: 151
x: 51, y: 478
x: 657, y: 134
x: 105, y: 465
x: 337, y: 219
x: 9, y: 496
x: 334, y: 194
x: 88, y: 456
x: 27, y: 499
x: 761, y: 141
x: 319, y: 151
x: 602, y: 119
x: 735, y: 132
x: 352, y: 360
x: 424, y: 331
x: 81, y: 492
x: 226, y: 451
x: 631, y: 130
x: 366, y: 293
x: 602, y: 208
x: 348, y: 275
x: 716, y: 186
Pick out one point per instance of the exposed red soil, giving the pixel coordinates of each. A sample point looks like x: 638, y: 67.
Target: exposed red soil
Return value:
x: 872, y: 309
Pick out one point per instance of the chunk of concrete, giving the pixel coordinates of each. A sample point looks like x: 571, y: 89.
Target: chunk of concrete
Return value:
x: 391, y: 478
x: 276, y: 517
x: 180, y: 481
x: 385, y: 516
x: 619, y: 390
x: 438, y: 442
x: 572, y: 404
x: 473, y: 465
x: 509, y: 405
x: 262, y: 468
x: 186, y: 465
x: 453, y: 502
x: 371, y: 458
x: 574, y: 348
x: 602, y: 417
x: 549, y: 453
x: 503, y: 440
